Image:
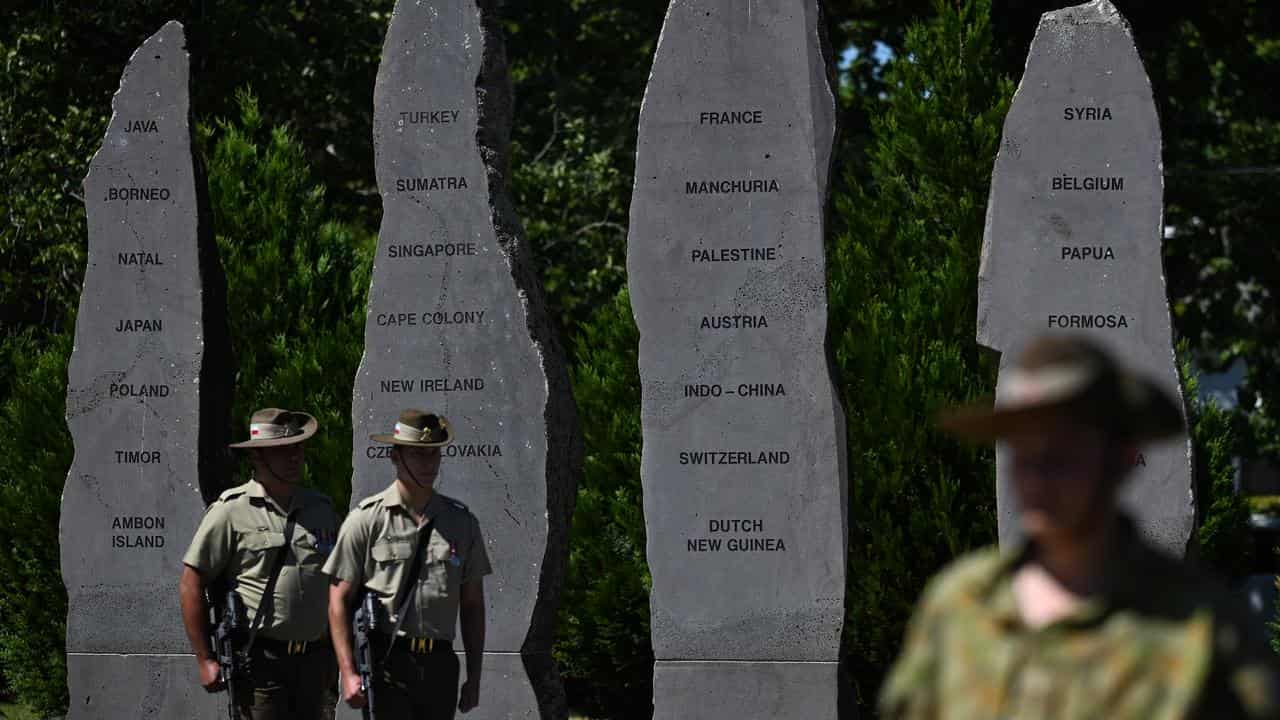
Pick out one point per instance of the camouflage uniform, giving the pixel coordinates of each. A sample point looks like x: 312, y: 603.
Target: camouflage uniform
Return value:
x: 1159, y: 642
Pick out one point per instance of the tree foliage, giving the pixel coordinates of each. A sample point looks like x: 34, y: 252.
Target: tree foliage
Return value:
x: 604, y: 649
x: 1222, y: 540
x: 903, y: 279
x: 35, y: 452
x: 296, y: 286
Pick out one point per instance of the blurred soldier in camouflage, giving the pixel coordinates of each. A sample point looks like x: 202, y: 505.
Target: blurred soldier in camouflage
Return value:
x: 1083, y: 619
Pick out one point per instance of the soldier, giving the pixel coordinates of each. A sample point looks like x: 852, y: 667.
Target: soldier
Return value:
x: 1083, y: 619
x: 422, y: 556
x: 268, y: 539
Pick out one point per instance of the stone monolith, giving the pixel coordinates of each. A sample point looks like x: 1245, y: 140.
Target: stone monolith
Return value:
x: 1074, y: 231
x: 743, y: 463
x: 456, y: 325
x: 146, y: 402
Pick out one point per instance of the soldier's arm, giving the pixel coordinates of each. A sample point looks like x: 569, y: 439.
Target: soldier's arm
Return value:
x: 341, y: 593
x: 206, y: 559
x: 345, y: 568
x: 195, y: 616
x: 472, y: 615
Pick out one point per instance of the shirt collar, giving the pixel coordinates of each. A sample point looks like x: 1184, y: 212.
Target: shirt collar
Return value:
x: 257, y: 490
x: 391, y: 498
x: 1123, y: 564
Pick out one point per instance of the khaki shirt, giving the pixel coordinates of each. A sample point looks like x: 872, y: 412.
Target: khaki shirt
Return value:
x: 1160, y: 641
x: 239, y: 538
x: 377, y: 542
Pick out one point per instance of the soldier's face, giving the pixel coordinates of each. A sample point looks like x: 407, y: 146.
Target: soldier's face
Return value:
x: 1063, y: 480
x: 284, y: 463
x: 417, y: 464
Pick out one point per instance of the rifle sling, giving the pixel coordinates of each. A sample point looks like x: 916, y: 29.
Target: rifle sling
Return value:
x: 404, y: 594
x: 268, y: 594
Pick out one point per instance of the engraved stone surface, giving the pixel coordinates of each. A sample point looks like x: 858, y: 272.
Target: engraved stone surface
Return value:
x: 1074, y: 230
x: 745, y: 690
x: 743, y: 462
x: 457, y: 325
x: 147, y: 687
x: 145, y: 396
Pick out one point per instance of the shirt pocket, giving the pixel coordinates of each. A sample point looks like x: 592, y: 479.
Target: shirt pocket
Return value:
x: 256, y: 550
x: 261, y: 541
x: 390, y: 559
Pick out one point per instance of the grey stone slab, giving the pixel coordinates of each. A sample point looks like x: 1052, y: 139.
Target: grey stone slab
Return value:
x: 456, y: 321
x: 745, y: 690
x: 1074, y: 231
x: 139, y: 370
x: 506, y: 691
x: 145, y: 687
x: 743, y: 461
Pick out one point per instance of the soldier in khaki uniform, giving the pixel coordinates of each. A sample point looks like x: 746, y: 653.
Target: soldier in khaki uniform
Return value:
x: 292, y: 673
x: 417, y: 672
x: 1084, y: 619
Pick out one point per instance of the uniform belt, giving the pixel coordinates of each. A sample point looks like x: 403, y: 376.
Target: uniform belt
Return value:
x: 421, y: 645
x: 290, y: 647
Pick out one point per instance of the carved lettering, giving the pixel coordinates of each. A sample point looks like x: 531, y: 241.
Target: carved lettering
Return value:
x: 1088, y: 322
x: 731, y: 117
x: 734, y: 457
x: 429, y: 184
x: 429, y: 117
x: 146, y: 194
x: 128, y: 390
x: 725, y: 187
x: 704, y: 255
x: 1099, y: 184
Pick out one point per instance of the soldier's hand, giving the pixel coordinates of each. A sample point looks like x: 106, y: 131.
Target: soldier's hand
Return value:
x: 469, y: 697
x: 210, y: 675
x: 352, y: 695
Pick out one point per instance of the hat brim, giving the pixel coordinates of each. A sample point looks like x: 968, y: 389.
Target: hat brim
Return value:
x: 309, y: 429
x: 390, y: 439
x: 1144, y: 414
x: 983, y: 423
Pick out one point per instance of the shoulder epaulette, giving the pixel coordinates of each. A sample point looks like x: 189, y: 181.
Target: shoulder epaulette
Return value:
x: 369, y: 501
x: 232, y: 493
x: 456, y: 503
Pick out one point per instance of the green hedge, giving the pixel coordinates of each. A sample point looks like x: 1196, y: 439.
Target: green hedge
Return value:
x: 603, y: 647
x: 297, y: 278
x: 903, y: 311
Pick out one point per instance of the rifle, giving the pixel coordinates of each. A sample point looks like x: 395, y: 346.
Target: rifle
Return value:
x: 229, y: 628
x: 366, y: 623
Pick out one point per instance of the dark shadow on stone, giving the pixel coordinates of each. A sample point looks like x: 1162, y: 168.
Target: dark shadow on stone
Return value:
x: 217, y: 374
x: 564, y: 437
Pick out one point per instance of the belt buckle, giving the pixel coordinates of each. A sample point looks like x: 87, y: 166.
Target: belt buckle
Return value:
x: 421, y: 645
x: 297, y: 648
